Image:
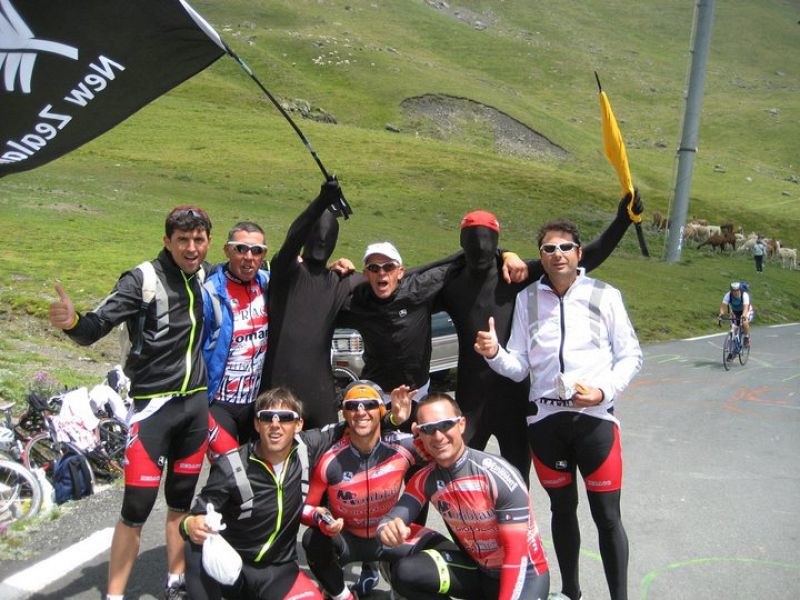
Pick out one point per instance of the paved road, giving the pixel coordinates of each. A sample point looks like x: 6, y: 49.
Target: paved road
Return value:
x: 710, y: 500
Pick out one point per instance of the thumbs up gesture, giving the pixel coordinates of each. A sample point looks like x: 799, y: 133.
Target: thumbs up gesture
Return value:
x: 62, y: 311
x: 486, y: 343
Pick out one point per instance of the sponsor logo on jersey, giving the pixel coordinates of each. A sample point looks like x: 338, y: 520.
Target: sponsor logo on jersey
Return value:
x: 503, y: 473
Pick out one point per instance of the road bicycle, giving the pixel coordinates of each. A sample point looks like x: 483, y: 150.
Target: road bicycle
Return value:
x: 20, y: 493
x: 734, y: 345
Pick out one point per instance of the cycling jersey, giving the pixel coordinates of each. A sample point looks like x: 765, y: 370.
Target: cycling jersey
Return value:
x: 263, y: 528
x: 485, y: 505
x: 361, y: 488
x: 586, y: 334
x: 170, y: 362
x: 737, y: 304
x: 235, y: 324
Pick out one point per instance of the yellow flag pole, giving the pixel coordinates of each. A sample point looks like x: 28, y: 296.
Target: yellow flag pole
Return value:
x: 616, y: 154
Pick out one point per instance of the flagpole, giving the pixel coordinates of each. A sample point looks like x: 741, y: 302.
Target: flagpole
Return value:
x: 344, y: 206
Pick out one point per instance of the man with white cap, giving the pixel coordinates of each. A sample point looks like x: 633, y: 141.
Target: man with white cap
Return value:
x: 392, y: 310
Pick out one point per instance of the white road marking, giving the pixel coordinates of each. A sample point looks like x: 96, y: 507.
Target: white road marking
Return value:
x: 37, y: 577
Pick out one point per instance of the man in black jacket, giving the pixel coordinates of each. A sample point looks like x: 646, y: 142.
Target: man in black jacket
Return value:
x: 168, y: 379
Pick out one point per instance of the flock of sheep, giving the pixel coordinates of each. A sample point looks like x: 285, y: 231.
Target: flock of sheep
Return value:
x: 723, y: 236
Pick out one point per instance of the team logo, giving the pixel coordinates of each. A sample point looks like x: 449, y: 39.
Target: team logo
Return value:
x: 347, y: 476
x: 162, y: 460
x: 440, y: 484
x: 403, y: 312
x: 19, y: 49
x: 562, y: 465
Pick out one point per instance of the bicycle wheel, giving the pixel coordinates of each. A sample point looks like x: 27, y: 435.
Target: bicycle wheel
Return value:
x: 42, y: 451
x: 114, y: 437
x: 744, y: 352
x: 727, y: 349
x: 20, y: 492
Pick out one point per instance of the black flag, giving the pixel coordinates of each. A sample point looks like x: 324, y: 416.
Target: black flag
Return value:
x: 72, y: 69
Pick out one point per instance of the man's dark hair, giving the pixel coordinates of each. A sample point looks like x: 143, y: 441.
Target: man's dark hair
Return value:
x: 440, y: 397
x: 247, y: 226
x: 187, y: 218
x: 559, y: 225
x: 279, y: 397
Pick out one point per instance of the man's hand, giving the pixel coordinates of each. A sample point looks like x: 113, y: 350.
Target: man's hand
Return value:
x: 394, y: 533
x: 62, y: 312
x: 197, y: 529
x: 587, y: 396
x: 401, y: 398
x: 342, y: 267
x: 515, y: 270
x: 637, y: 208
x: 327, y: 524
x: 486, y: 343
x: 331, y: 192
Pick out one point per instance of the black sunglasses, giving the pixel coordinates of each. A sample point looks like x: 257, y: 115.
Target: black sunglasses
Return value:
x: 443, y: 426
x: 281, y: 416
x: 354, y: 405
x: 386, y: 267
x: 256, y: 249
x: 563, y: 247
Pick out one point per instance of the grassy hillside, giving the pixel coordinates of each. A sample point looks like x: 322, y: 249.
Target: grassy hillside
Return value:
x: 216, y: 141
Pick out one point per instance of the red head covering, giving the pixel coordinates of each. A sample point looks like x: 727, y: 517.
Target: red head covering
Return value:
x: 478, y: 218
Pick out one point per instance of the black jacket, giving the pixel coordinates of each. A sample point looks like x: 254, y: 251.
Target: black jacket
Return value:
x: 170, y: 362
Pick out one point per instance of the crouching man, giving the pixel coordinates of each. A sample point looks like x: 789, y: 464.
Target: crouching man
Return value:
x: 485, y: 504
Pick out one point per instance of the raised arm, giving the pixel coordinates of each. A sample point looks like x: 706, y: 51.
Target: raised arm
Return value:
x: 286, y: 257
x: 599, y: 249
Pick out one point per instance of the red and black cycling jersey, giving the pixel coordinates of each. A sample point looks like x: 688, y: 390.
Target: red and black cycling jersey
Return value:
x: 476, y: 496
x: 362, y: 488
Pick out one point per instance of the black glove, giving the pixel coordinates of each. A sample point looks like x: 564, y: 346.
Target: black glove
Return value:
x: 638, y: 205
x: 330, y: 192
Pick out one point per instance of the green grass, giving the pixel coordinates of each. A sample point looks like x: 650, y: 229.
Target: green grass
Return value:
x: 216, y: 141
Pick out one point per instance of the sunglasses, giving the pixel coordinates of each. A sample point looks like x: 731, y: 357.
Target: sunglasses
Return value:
x: 443, y: 426
x: 256, y: 249
x: 386, y: 267
x: 277, y: 416
x: 563, y: 247
x: 354, y: 405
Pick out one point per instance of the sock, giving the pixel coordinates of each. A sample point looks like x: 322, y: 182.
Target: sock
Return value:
x: 343, y: 595
x: 115, y: 596
x: 175, y: 579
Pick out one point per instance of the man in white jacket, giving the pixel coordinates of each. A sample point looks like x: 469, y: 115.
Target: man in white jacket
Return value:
x: 571, y: 334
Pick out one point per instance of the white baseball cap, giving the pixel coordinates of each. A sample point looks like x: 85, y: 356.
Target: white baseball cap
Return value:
x: 387, y: 249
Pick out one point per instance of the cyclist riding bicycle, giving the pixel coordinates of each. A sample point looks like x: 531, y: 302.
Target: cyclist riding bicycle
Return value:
x: 737, y: 301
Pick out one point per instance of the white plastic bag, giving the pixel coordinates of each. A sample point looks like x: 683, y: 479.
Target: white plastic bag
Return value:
x: 220, y: 560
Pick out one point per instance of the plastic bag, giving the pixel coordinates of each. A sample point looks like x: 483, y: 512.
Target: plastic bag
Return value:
x: 220, y: 560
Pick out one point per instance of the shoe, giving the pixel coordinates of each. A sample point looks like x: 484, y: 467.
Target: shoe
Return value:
x: 747, y: 342
x: 176, y: 592
x: 730, y: 357
x: 367, y: 581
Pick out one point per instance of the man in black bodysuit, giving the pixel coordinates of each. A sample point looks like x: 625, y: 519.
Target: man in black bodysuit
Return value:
x: 475, y: 291
x: 304, y: 299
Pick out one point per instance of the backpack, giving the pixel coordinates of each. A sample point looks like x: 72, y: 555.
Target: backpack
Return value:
x: 132, y: 342
x: 72, y: 478
x: 134, y: 348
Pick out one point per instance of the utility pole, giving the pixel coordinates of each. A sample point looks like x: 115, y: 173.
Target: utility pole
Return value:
x: 704, y: 18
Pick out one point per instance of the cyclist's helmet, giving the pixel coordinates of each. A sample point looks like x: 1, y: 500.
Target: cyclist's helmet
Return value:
x: 735, y: 285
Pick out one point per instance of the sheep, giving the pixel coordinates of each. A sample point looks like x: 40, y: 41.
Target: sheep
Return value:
x: 788, y: 257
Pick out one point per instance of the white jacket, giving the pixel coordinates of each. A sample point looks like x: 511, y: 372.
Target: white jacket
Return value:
x: 586, y: 335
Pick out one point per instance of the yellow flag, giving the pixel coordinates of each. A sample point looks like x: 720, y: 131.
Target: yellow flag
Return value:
x: 615, y: 152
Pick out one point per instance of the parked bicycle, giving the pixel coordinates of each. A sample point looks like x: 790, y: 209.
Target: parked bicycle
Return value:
x: 734, y: 345
x: 20, y: 493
